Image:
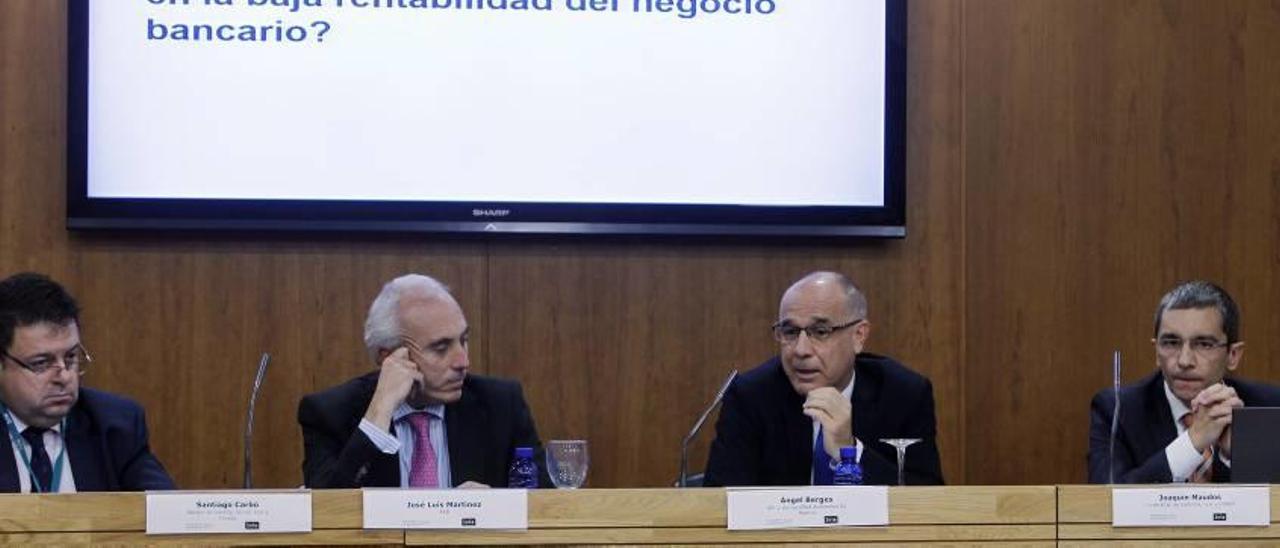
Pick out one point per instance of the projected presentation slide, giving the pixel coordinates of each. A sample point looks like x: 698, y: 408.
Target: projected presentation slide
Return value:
x: 736, y: 102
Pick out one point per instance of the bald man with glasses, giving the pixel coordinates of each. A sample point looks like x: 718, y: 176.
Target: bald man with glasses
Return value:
x: 784, y: 422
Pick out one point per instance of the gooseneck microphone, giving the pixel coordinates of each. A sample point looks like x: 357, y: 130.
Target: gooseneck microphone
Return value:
x: 1115, y: 414
x: 684, y: 445
x: 248, y: 425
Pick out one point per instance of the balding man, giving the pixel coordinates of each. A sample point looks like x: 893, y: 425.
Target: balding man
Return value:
x: 420, y: 420
x: 784, y: 422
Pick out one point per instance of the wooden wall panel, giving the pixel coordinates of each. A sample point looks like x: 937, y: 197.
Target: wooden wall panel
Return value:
x: 1112, y: 149
x: 1068, y: 161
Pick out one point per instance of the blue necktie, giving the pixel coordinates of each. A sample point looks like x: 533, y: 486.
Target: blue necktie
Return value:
x: 822, y: 474
x: 41, y: 468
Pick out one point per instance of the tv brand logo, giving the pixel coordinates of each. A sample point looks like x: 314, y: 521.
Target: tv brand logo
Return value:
x: 490, y: 212
x: 1219, y: 516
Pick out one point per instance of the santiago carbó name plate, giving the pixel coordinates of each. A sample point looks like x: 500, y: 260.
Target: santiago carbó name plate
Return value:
x: 196, y: 512
x: 783, y: 508
x: 1191, y: 506
x: 446, y: 509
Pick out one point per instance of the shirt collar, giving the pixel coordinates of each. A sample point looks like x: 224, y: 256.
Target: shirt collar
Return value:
x: 848, y: 390
x: 436, y: 410
x: 22, y: 426
x: 1176, y: 407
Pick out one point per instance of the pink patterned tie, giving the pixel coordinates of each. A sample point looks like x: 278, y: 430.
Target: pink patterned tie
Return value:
x: 422, y: 470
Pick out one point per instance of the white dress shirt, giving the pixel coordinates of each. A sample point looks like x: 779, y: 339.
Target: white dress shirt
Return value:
x: 52, y: 446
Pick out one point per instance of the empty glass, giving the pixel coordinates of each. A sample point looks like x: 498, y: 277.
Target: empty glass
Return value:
x: 901, y: 445
x: 567, y: 463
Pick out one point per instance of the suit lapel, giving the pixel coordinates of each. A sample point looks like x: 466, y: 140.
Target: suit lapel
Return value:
x: 465, y: 425
x: 798, y: 429
x: 82, y: 452
x: 1159, y: 417
x: 8, y: 466
x: 866, y: 404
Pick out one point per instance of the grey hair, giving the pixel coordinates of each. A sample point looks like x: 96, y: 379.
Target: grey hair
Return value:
x: 855, y: 302
x: 1202, y: 294
x: 382, y: 329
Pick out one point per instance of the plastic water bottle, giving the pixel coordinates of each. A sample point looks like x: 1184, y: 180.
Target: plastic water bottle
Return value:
x: 524, y: 472
x: 848, y: 472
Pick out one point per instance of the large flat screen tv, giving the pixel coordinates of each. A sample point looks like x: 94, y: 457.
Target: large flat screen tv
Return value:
x: 699, y: 117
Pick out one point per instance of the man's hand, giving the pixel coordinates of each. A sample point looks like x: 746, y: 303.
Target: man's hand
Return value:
x: 1211, y: 411
x: 397, y: 379
x: 835, y: 413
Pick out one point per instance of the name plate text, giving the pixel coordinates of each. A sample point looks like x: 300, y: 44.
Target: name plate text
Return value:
x: 196, y: 512
x: 446, y: 509
x: 750, y: 508
x: 1191, y: 506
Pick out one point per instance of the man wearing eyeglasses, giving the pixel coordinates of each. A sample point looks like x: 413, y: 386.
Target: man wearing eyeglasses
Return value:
x: 784, y: 422
x: 421, y: 420
x: 61, y: 437
x: 1175, y: 424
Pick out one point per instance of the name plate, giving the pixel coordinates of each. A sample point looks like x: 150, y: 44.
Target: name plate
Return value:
x: 446, y: 509
x: 751, y: 508
x: 196, y: 512
x: 1191, y: 506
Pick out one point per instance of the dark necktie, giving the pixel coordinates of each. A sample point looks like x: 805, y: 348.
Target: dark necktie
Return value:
x: 40, y: 466
x: 822, y: 474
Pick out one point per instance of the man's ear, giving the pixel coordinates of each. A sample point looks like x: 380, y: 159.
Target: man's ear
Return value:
x: 1234, y: 353
x: 382, y: 356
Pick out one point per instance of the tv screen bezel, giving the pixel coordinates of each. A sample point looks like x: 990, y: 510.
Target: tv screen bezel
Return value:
x: 90, y: 213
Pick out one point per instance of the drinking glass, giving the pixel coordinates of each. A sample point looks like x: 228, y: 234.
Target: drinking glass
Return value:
x: 901, y: 445
x: 567, y: 463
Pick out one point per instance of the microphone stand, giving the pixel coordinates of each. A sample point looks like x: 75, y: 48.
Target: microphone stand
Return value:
x: 684, y: 445
x: 1115, y: 414
x: 248, y: 426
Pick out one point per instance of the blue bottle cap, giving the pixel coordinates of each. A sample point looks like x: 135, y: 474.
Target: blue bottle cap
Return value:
x: 524, y: 452
x: 848, y: 452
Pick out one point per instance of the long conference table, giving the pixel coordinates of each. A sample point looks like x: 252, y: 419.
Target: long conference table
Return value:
x: 1068, y: 515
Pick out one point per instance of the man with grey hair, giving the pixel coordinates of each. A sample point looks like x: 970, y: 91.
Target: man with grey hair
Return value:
x: 784, y: 422
x: 1175, y: 424
x: 420, y: 420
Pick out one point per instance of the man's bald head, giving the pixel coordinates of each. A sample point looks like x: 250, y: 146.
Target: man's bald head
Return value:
x: 855, y: 302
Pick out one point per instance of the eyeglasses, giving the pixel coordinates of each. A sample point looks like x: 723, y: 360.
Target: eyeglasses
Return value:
x: 786, y: 333
x: 1204, y: 347
x: 75, y: 360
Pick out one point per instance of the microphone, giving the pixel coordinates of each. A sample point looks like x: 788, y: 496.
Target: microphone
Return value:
x: 684, y: 445
x: 1115, y: 414
x: 248, y: 426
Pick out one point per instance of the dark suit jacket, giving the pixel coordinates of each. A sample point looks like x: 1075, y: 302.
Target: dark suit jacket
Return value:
x: 483, y: 427
x: 1146, y: 428
x: 107, y: 448
x: 764, y: 438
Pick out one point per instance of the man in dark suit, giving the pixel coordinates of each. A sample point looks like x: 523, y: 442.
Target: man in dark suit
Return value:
x: 784, y: 422
x: 421, y: 420
x: 1175, y: 424
x: 61, y: 437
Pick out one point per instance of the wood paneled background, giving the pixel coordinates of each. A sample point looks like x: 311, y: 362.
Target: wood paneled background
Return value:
x: 1068, y: 161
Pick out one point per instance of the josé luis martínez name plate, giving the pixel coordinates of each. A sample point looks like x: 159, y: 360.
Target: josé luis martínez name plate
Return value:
x: 446, y: 509
x: 750, y: 508
x: 1191, y: 506
x: 196, y: 512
